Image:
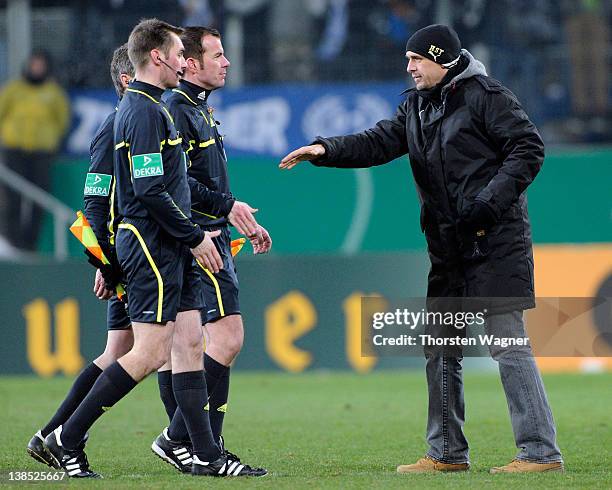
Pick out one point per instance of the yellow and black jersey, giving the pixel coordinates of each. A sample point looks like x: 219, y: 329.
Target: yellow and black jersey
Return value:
x: 150, y: 165
x: 207, y: 162
x: 99, y: 183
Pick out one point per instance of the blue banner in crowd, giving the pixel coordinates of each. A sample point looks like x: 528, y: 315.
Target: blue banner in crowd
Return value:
x: 262, y: 121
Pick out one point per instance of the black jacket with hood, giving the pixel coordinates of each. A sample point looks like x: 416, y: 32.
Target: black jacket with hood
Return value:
x: 472, y: 143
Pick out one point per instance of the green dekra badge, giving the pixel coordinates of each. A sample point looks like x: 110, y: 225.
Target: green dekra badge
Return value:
x: 148, y: 165
x: 97, y: 184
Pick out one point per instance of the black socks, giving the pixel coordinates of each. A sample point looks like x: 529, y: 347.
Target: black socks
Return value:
x: 191, y: 397
x: 177, y: 430
x: 81, y: 386
x: 217, y: 380
x: 112, y: 385
x: 164, y: 380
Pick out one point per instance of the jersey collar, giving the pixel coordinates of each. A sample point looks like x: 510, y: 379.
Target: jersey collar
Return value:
x: 147, y: 88
x: 194, y: 92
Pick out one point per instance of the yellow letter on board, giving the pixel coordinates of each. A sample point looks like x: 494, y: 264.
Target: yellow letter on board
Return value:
x: 287, y: 320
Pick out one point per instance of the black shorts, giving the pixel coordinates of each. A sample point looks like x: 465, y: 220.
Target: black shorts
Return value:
x: 220, y: 290
x: 160, y: 276
x: 116, y: 315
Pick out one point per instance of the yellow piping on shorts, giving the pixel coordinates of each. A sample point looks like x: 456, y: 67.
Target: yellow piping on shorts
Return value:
x: 160, y: 282
x: 217, y: 290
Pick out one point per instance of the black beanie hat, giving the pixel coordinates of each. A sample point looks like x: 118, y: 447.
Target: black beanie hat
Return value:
x: 437, y: 42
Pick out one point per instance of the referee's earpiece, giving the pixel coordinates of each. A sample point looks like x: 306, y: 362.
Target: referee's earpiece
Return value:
x: 178, y: 73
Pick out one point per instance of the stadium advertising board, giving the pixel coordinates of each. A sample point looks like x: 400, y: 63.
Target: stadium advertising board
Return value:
x: 300, y: 313
x: 261, y: 121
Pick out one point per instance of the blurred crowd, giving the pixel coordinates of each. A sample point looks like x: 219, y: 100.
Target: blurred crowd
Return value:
x: 34, y: 117
x: 547, y: 51
x: 554, y: 54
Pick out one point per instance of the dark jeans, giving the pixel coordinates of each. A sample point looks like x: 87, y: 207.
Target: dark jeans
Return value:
x: 23, y: 217
x: 530, y: 414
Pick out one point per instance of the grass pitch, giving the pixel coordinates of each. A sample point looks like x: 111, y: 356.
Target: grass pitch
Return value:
x: 324, y: 430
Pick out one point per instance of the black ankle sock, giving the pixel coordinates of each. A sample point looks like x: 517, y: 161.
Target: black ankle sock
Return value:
x: 217, y: 376
x: 112, y: 385
x: 164, y: 380
x: 190, y: 394
x: 81, y: 386
x: 177, y: 430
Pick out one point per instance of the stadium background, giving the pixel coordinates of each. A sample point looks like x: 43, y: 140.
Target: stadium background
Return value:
x: 337, y: 234
x: 302, y: 68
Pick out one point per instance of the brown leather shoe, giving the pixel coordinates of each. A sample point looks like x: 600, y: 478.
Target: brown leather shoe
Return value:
x: 520, y: 466
x: 429, y: 465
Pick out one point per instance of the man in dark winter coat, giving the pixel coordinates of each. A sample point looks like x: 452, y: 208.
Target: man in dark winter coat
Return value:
x: 473, y: 152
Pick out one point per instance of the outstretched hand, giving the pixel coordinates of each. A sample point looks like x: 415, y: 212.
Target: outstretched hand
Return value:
x: 261, y: 242
x: 310, y: 152
x: 241, y: 216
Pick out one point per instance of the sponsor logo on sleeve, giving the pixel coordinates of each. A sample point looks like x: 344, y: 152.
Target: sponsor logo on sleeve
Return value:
x: 97, y: 184
x: 148, y: 165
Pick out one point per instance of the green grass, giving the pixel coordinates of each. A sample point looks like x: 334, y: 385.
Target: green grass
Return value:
x: 326, y: 430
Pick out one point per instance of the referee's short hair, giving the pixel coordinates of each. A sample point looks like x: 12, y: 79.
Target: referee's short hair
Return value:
x: 147, y: 35
x: 120, y: 65
x: 192, y: 40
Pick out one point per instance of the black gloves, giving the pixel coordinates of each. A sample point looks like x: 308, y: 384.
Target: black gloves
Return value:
x: 477, y: 217
x: 476, y: 220
x: 110, y: 272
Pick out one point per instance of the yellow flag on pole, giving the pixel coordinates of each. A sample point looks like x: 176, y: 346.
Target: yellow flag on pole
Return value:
x: 84, y: 233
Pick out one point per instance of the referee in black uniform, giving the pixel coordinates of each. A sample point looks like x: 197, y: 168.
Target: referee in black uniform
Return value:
x: 98, y: 197
x: 214, y: 208
x: 152, y: 244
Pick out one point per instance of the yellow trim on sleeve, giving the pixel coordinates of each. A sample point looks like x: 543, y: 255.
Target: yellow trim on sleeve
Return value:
x: 181, y: 211
x: 170, y: 142
x: 204, y: 214
x: 206, y: 143
x: 111, y: 230
x: 160, y: 281
x: 217, y: 289
x: 121, y: 145
x: 130, y: 166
